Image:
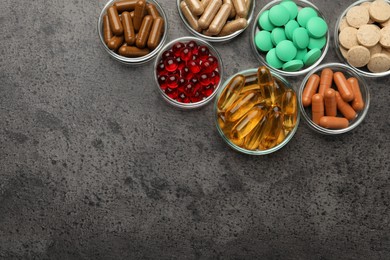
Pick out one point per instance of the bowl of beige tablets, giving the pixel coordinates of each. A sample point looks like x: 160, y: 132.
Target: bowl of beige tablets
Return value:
x: 216, y: 20
x: 132, y: 31
x: 362, y: 37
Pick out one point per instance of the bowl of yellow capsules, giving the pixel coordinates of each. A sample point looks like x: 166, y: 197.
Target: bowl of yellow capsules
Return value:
x: 132, y: 31
x: 256, y: 111
x: 290, y: 37
x: 216, y: 20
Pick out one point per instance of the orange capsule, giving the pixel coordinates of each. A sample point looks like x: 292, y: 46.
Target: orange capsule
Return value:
x: 132, y: 51
x: 156, y: 33
x: 310, y: 89
x: 152, y: 10
x: 333, y: 122
x: 144, y: 32
x: 115, y: 20
x: 107, y: 33
x: 326, y: 80
x: 128, y: 28
x: 127, y: 5
x: 343, y: 87
x: 357, y: 102
x: 344, y: 107
x: 317, y: 108
x: 115, y: 42
x: 139, y: 13
x: 330, y: 102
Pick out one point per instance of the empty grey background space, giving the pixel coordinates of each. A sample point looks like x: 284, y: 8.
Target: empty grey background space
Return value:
x: 96, y: 165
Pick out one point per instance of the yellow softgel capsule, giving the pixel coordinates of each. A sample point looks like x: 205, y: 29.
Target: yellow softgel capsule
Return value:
x: 272, y: 129
x: 242, y: 105
x: 231, y: 92
x: 247, y: 123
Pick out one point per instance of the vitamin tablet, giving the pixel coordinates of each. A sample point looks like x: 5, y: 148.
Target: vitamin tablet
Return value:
x: 273, y: 59
x: 348, y: 37
x: 290, y: 28
x: 358, y: 56
x: 317, y: 43
x: 264, y: 21
x: 277, y: 35
x: 305, y: 14
x: 316, y: 27
x: 343, y: 24
x: 379, y: 62
x: 279, y: 15
x: 301, y: 54
x: 368, y: 35
x: 311, y: 57
x: 263, y: 41
x: 385, y: 37
x: 301, y: 38
x: 379, y: 11
x: 286, y: 50
x: 293, y: 65
x: 357, y: 16
x: 291, y: 7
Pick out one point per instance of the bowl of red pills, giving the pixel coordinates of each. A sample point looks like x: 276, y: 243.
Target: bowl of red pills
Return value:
x: 188, y: 72
x: 132, y: 31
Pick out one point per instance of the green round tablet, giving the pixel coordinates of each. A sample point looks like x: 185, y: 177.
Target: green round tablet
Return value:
x: 293, y: 65
x: 273, y: 60
x: 278, y: 35
x: 264, y: 22
x: 279, y: 15
x: 290, y: 27
x: 316, y: 27
x: 311, y: 57
x: 301, y: 38
x: 285, y: 50
x: 292, y: 8
x: 317, y: 43
x: 305, y: 14
x: 300, y: 54
x: 263, y: 41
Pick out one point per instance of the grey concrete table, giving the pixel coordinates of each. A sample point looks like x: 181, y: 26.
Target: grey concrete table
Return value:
x: 96, y: 165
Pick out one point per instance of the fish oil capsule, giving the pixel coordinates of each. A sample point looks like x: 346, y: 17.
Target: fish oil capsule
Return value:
x: 128, y: 28
x: 252, y: 140
x: 357, y: 103
x: 132, y: 52
x: 281, y: 137
x: 326, y: 80
x: 343, y: 87
x: 209, y: 14
x: 115, y: 42
x: 332, y: 122
x: 247, y: 123
x: 107, y: 33
x: 264, y: 76
x: 272, y: 129
x: 231, y: 92
x: 317, y: 108
x: 240, y: 7
x: 127, y: 5
x: 195, y: 6
x: 233, y: 10
x: 115, y: 21
x: 220, y: 19
x: 243, y: 105
x: 144, y: 31
x: 191, y: 19
x: 226, y: 126
x: 233, y: 26
x: 344, y: 107
x: 152, y: 10
x: 139, y: 13
x: 330, y: 102
x: 155, y: 33
x: 310, y: 89
x: 289, y: 102
x: 250, y: 87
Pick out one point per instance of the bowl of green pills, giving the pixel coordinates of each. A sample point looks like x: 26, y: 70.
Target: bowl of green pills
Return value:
x: 290, y: 37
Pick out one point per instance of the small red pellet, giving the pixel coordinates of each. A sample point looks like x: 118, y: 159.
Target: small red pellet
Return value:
x: 204, y: 79
x: 166, y: 54
x: 194, y: 66
x: 172, y: 93
x: 203, y: 51
x: 215, y: 77
x: 183, y: 98
x: 177, y: 47
x: 192, y: 45
x: 173, y: 81
x: 196, y: 97
x: 186, y: 54
x: 162, y: 80
x: 208, y: 90
x: 170, y: 64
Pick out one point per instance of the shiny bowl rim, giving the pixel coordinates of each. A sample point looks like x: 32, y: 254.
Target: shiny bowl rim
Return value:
x: 362, y: 84
x: 235, y: 147
x: 262, y: 59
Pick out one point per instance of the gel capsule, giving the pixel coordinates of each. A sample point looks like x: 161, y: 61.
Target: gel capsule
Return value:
x: 115, y: 42
x: 128, y: 28
x: 251, y: 87
x: 209, y: 14
x: 289, y: 108
x: 144, y: 32
x: 253, y: 139
x: 357, y: 103
x: 344, y: 107
x: 152, y: 10
x: 242, y: 105
x: 247, y: 123
x: 233, y: 26
x: 139, y: 13
x: 272, y: 129
x: 195, y: 6
x: 220, y: 19
x: 115, y: 21
x: 132, y: 52
x: 107, y: 33
x: 233, y: 10
x: 231, y: 92
x: 127, y: 5
x: 326, y: 80
x: 205, y: 3
x: 317, y: 108
x: 156, y: 33
x: 310, y: 89
x: 330, y: 102
x: 240, y: 7
x: 191, y: 19
x: 343, y: 87
x: 332, y: 122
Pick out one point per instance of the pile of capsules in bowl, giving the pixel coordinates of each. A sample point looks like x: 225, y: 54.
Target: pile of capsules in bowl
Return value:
x: 257, y: 115
x: 214, y: 17
x: 132, y: 28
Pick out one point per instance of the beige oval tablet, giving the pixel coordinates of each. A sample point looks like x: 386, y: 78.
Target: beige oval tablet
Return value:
x: 358, y: 56
x: 387, y: 52
x: 379, y: 11
x: 376, y: 49
x: 357, y: 16
x: 348, y: 37
x: 343, y: 24
x: 379, y: 62
x: 385, y: 37
x: 344, y: 51
x: 368, y: 35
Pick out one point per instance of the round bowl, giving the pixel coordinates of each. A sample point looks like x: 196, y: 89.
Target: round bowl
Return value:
x: 251, y: 74
x: 261, y: 55
x: 348, y: 72
x: 175, y: 103
x: 363, y: 71
x: 216, y: 38
x: 138, y: 60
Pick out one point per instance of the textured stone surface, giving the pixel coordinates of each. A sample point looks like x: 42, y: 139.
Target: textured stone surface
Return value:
x: 95, y: 164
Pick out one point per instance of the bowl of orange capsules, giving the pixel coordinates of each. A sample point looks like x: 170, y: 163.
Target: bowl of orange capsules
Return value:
x: 333, y: 99
x: 216, y: 20
x: 256, y: 111
x: 132, y: 31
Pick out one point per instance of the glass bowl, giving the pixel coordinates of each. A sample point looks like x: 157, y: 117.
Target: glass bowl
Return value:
x: 348, y: 72
x: 363, y: 71
x: 216, y: 38
x: 175, y: 103
x: 261, y: 55
x: 251, y: 75
x: 138, y: 60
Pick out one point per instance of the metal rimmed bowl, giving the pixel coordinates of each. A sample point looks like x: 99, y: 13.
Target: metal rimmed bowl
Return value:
x: 250, y: 75
x: 216, y: 38
x: 138, y: 60
x: 173, y: 102
x: 348, y: 72
x: 363, y: 71
x: 261, y: 55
